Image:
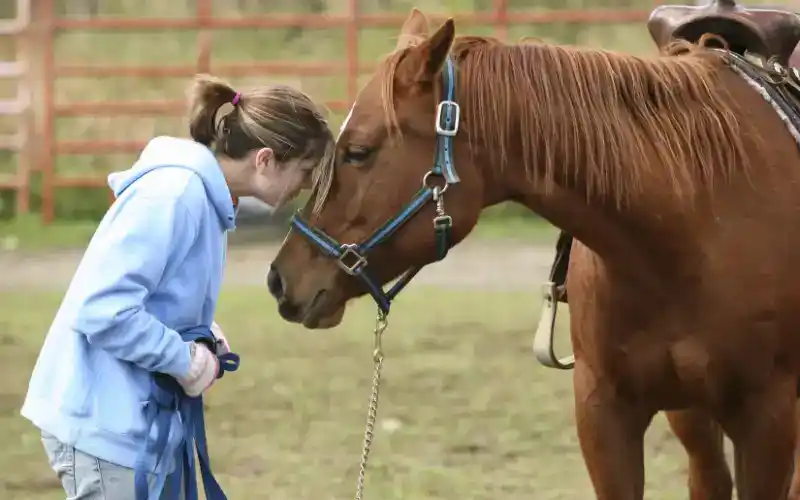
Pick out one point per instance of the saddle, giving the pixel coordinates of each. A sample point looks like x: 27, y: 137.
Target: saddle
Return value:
x: 763, y: 37
x: 767, y: 32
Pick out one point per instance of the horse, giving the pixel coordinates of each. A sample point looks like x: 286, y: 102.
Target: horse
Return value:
x: 703, y: 440
x: 685, y: 258
x: 771, y: 33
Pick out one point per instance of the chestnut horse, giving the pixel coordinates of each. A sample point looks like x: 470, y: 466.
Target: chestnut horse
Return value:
x: 687, y: 301
x: 703, y: 439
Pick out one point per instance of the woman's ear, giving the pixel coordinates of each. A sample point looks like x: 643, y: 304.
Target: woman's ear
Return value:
x: 265, y: 158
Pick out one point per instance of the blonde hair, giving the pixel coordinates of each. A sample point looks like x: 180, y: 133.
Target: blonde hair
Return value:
x: 277, y: 116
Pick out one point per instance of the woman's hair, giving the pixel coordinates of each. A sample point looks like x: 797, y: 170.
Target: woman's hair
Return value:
x: 278, y: 117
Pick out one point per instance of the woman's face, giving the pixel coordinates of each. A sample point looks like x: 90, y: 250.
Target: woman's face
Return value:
x: 276, y: 183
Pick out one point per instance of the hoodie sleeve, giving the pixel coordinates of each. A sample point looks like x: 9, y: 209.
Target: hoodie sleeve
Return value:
x: 128, y: 261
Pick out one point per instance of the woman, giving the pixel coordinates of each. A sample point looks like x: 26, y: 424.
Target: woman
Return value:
x: 153, y: 269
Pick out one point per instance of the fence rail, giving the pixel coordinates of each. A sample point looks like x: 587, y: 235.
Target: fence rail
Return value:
x: 204, y: 22
x: 18, y: 107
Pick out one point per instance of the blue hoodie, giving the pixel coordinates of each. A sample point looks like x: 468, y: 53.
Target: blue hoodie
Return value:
x: 153, y: 268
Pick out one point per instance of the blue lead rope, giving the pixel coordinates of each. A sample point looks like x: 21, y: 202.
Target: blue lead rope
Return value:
x: 166, y: 401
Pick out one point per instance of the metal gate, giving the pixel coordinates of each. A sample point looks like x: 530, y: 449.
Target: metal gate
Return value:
x: 17, y: 108
x: 204, y: 23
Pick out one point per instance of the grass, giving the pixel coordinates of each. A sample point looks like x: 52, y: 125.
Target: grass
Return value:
x: 520, y: 228
x: 28, y: 234
x: 466, y: 412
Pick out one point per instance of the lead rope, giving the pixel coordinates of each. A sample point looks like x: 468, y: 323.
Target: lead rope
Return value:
x: 372, y: 411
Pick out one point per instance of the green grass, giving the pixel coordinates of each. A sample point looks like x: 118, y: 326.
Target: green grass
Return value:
x: 28, y: 234
x: 528, y: 229
x: 466, y: 412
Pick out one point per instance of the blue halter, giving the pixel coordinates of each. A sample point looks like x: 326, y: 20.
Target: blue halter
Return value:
x: 166, y: 400
x: 352, y: 257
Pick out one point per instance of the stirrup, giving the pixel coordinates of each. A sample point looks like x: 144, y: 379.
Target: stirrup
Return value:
x: 543, y: 346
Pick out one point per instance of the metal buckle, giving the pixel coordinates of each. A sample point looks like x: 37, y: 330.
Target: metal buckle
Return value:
x: 442, y: 222
x: 351, y: 250
x: 456, y: 115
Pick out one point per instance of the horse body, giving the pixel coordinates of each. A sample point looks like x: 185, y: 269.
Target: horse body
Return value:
x: 706, y: 322
x: 681, y: 280
x: 771, y: 33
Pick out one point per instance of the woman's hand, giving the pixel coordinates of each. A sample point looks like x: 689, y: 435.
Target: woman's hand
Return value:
x: 202, y: 372
x: 223, y: 347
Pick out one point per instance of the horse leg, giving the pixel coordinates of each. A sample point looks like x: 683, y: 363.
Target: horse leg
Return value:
x: 703, y: 439
x: 611, y: 434
x: 794, y: 490
x: 763, y: 431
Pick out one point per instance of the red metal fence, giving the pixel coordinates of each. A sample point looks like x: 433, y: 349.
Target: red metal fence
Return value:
x: 204, y: 22
x: 18, y: 107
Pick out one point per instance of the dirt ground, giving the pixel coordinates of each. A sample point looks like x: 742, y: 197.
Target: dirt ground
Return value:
x: 479, y: 264
x: 465, y: 413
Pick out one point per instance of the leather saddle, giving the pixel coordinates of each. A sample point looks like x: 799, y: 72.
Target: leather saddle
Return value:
x: 767, y: 32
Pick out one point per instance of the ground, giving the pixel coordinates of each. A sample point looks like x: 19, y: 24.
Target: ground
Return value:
x: 466, y: 412
x: 490, y: 264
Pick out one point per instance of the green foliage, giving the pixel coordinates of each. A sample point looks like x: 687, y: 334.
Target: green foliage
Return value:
x: 28, y: 233
x: 74, y: 204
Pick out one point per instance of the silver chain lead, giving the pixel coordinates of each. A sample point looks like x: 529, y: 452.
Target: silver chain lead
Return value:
x: 372, y: 411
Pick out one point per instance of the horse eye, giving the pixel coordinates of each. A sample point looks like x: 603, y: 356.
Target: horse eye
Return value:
x: 357, y: 154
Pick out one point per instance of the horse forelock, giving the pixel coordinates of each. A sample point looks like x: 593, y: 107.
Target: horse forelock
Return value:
x: 607, y: 115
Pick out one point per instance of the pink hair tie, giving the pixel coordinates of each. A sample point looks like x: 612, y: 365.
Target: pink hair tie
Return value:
x: 236, y: 99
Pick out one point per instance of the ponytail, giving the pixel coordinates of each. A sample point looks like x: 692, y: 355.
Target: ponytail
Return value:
x: 206, y: 96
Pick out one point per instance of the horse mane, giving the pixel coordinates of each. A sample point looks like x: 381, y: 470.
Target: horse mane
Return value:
x: 616, y: 112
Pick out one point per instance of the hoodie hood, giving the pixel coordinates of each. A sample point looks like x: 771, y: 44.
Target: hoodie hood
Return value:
x: 163, y: 152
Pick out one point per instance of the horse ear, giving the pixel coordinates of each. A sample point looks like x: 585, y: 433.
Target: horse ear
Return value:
x: 433, y: 52
x: 414, y: 29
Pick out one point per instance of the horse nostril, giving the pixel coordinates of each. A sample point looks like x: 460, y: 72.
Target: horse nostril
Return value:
x: 275, y: 283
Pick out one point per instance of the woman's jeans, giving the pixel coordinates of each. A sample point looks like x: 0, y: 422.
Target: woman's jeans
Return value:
x: 85, y: 477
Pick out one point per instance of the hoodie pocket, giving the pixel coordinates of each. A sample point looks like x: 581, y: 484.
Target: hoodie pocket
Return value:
x: 77, y: 395
x: 121, y: 393
x: 77, y: 400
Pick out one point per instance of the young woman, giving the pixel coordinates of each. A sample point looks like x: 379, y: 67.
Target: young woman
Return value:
x: 153, y: 269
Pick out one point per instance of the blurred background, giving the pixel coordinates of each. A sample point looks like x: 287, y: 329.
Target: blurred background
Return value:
x: 83, y: 83
x: 466, y: 413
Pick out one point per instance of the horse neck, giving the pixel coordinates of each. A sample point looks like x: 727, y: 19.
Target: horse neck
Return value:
x: 590, y: 156
x: 627, y: 239
x: 642, y: 237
